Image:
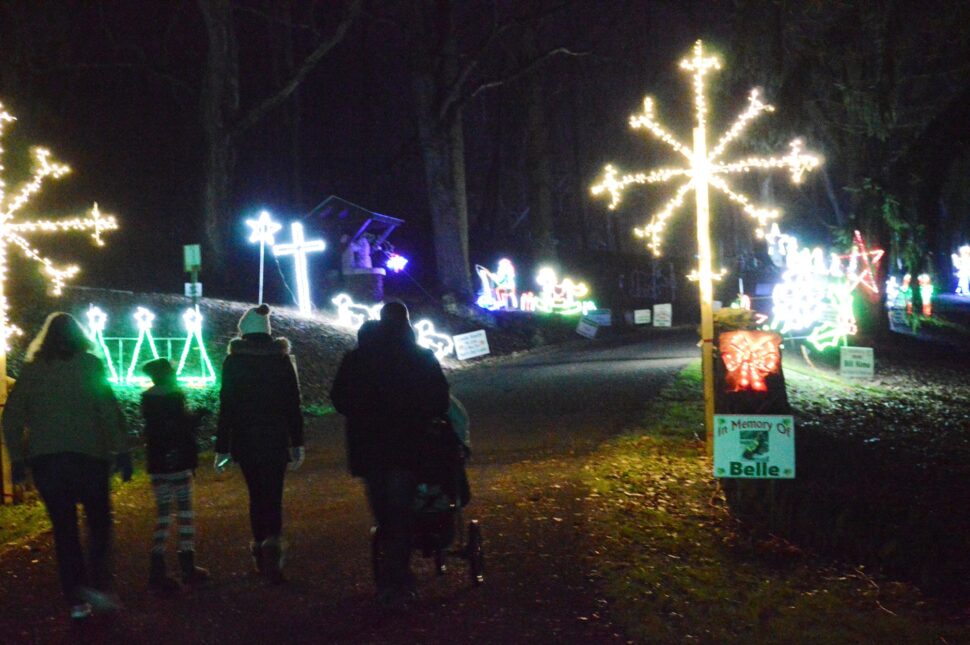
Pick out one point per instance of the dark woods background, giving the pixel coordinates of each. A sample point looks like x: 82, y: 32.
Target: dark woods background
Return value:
x: 479, y: 122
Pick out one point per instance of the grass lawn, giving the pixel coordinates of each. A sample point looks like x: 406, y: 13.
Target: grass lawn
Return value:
x: 677, y: 567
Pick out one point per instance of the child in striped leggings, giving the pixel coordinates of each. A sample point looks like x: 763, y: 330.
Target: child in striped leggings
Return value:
x: 172, y: 457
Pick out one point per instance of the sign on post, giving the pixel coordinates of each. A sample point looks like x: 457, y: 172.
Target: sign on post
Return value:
x: 856, y: 362
x: 192, y: 253
x: 642, y: 316
x: 587, y: 328
x: 193, y: 289
x: 662, y: 315
x: 602, y: 317
x: 470, y: 345
x: 749, y: 446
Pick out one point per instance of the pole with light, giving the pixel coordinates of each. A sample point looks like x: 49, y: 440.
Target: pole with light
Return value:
x: 704, y: 169
x: 264, y: 230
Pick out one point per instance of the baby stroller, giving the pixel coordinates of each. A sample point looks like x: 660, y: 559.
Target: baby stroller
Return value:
x: 438, y: 528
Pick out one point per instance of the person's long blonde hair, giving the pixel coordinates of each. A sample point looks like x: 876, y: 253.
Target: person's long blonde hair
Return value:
x: 61, y: 338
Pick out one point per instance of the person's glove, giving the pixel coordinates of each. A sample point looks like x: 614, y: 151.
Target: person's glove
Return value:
x: 297, y: 455
x: 124, y: 466
x: 18, y: 472
x: 222, y: 461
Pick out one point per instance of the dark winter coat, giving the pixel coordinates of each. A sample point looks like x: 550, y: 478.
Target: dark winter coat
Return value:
x: 170, y: 445
x: 259, y: 403
x: 390, y: 391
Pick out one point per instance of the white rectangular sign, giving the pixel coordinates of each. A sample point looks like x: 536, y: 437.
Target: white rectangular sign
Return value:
x: 641, y: 316
x: 587, y: 328
x: 751, y: 446
x: 662, y: 315
x: 470, y: 345
x: 856, y: 362
x: 193, y: 289
x: 602, y: 317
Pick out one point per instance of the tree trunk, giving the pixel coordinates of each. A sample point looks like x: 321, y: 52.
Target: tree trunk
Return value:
x: 538, y: 165
x: 443, y: 151
x: 220, y: 104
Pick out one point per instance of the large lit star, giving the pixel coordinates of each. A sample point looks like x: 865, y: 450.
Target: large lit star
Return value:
x: 264, y: 229
x: 706, y: 168
x: 862, y: 265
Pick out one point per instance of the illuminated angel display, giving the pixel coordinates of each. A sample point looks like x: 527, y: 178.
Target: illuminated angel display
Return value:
x: 749, y: 356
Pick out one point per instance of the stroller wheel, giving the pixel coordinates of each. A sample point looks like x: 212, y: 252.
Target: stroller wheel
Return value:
x: 476, y: 553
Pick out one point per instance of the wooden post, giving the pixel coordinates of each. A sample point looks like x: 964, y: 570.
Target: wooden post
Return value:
x: 5, y: 465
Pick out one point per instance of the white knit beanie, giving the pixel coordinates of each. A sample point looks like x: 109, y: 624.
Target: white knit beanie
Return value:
x: 255, y: 321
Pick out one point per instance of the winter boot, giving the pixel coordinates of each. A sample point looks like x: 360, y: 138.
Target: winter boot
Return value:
x: 191, y: 574
x: 271, y: 554
x: 158, y: 579
x: 256, y: 550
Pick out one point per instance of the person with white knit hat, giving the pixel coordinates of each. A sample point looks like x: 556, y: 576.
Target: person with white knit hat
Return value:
x: 261, y: 428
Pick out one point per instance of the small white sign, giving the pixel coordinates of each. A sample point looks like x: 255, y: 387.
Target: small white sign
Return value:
x: 663, y: 315
x: 641, y: 316
x: 856, y: 362
x: 717, y: 305
x: 470, y: 345
x: 193, y: 289
x: 749, y: 446
x: 602, y: 317
x: 192, y: 254
x: 587, y: 328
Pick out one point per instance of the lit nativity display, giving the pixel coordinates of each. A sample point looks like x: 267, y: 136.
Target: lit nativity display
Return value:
x: 500, y: 292
x: 125, y: 355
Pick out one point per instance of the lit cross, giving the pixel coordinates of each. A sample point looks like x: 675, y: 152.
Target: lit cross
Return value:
x: 14, y: 232
x: 264, y: 231
x: 704, y: 169
x: 299, y: 248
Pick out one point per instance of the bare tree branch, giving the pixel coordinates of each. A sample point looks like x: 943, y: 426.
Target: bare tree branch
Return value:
x: 524, y: 70
x: 260, y: 110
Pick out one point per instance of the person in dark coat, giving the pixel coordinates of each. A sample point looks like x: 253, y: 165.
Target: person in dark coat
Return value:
x: 390, y: 389
x: 62, y: 420
x: 261, y: 428
x: 172, y: 456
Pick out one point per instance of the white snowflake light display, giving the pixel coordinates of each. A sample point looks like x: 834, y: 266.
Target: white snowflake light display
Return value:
x: 703, y: 169
x: 299, y: 248
x: 14, y: 230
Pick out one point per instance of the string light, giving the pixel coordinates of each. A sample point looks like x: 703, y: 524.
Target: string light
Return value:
x: 427, y: 337
x: 299, y: 248
x: 97, y: 321
x: 396, y: 262
x: 264, y: 231
x: 749, y: 356
x: 143, y: 321
x: 13, y: 233
x: 706, y: 168
x: 498, y: 287
x: 193, y: 326
x: 961, y: 264
x: 565, y: 298
x: 353, y: 315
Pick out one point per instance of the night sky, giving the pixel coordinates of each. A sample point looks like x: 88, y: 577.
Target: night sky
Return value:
x: 112, y: 87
